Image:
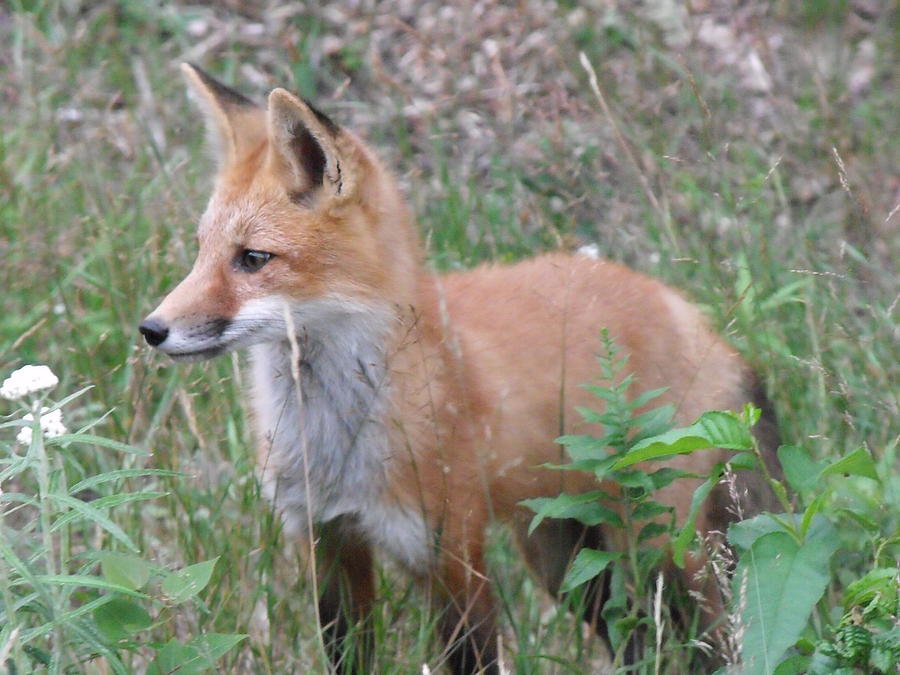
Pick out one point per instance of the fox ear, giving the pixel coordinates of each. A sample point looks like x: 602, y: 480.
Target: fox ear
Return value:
x: 305, y: 145
x: 234, y: 123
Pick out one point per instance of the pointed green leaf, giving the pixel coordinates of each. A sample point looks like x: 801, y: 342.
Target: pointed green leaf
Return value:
x: 743, y: 460
x: 587, y: 565
x: 186, y: 583
x: 857, y: 463
x: 175, y: 657
x: 120, y: 618
x: 781, y: 581
x: 742, y: 534
x: 125, y: 570
x: 801, y: 470
x: 584, y: 507
x: 714, y: 429
x: 794, y: 665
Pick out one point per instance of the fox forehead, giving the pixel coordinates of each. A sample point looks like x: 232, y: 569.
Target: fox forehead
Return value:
x: 229, y: 219
x: 243, y: 192
x: 246, y: 216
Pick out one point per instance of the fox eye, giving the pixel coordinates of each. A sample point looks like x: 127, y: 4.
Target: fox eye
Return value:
x: 252, y: 261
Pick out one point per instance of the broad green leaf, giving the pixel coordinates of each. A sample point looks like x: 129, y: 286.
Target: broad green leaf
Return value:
x: 186, y: 583
x: 794, y: 665
x: 724, y: 429
x: 741, y: 535
x: 714, y: 429
x: 801, y: 470
x: 175, y: 657
x: 199, y: 655
x: 587, y: 565
x: 125, y: 570
x: 857, y: 463
x: 689, y: 529
x: 781, y: 582
x: 743, y: 460
x: 585, y: 507
x: 120, y: 618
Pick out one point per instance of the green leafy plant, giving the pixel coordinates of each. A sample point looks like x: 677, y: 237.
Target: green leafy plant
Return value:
x: 781, y: 614
x: 57, y: 532
x: 635, y: 511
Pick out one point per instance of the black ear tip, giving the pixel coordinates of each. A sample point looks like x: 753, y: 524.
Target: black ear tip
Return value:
x: 191, y: 67
x: 223, y: 93
x: 323, y: 119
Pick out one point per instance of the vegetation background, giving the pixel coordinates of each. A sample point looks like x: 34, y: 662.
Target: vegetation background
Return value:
x: 744, y: 151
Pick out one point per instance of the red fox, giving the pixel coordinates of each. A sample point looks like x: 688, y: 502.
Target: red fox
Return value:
x: 400, y: 410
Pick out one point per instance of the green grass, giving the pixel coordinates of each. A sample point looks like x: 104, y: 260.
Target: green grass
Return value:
x: 102, y: 179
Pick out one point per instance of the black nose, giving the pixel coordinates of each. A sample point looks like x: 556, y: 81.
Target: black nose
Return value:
x: 154, y: 331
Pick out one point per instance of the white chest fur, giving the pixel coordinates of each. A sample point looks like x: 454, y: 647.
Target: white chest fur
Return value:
x: 325, y: 452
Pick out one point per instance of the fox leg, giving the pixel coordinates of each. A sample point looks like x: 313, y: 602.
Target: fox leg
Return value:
x: 468, y: 619
x: 346, y: 593
x: 550, y: 550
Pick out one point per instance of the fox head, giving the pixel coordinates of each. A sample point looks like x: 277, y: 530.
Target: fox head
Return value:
x: 302, y: 221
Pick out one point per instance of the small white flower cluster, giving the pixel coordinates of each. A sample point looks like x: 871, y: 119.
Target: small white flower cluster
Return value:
x: 51, y: 424
x: 28, y: 380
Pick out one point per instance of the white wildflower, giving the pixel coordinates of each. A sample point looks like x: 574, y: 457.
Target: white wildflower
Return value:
x: 590, y: 251
x: 28, y: 380
x: 425, y: 669
x: 51, y: 424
